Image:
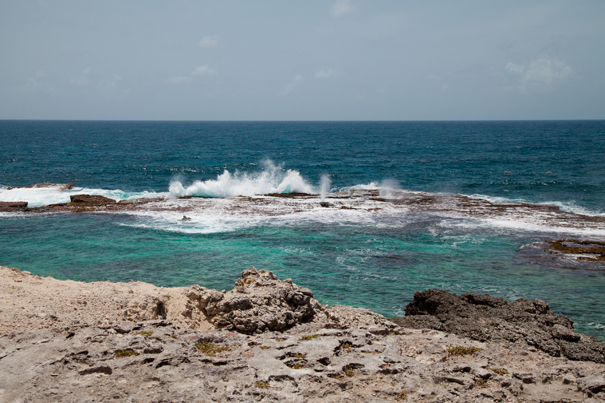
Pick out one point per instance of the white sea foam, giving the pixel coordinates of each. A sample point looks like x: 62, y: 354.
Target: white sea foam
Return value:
x: 525, y: 224
x: 37, y: 197
x: 272, y: 179
x: 570, y: 207
x: 235, y: 214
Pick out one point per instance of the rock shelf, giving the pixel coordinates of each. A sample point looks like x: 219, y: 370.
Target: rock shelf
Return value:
x: 266, y: 340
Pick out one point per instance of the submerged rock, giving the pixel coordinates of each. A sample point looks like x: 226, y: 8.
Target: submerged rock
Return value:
x: 487, y: 318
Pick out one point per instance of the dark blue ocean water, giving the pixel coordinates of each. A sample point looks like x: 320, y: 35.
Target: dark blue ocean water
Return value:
x: 372, y: 260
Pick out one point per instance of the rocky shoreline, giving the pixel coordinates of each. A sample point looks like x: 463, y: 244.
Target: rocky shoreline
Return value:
x: 269, y: 340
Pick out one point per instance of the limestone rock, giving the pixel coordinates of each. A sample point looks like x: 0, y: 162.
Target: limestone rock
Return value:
x: 259, y: 302
x: 158, y: 361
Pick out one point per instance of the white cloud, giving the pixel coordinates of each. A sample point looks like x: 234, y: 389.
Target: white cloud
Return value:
x: 341, y: 7
x: 82, y: 80
x: 32, y: 82
x: 178, y: 80
x: 323, y: 73
x: 208, y: 41
x: 541, y: 74
x: 295, y: 82
x: 202, y: 70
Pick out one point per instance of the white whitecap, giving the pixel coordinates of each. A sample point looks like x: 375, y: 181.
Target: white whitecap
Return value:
x: 272, y: 179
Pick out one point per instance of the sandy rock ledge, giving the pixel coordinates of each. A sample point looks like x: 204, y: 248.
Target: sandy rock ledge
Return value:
x: 266, y: 340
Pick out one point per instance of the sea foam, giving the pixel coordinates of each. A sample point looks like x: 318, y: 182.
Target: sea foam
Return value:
x: 37, y: 197
x: 272, y: 179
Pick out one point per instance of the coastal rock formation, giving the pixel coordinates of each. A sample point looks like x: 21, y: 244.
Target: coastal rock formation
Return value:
x: 30, y: 302
x: 65, y: 341
x: 93, y: 199
x: 12, y: 206
x: 487, y: 318
x: 159, y: 362
x: 259, y: 302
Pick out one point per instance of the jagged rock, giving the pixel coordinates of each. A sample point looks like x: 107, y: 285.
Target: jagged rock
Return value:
x: 12, y: 206
x: 259, y: 302
x: 487, y: 318
x: 158, y: 361
x: 97, y: 199
x: 593, y: 384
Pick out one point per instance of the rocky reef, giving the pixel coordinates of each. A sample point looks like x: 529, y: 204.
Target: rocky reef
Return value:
x: 487, y: 318
x: 269, y: 341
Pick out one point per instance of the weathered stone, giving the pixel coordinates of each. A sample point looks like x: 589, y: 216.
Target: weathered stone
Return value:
x: 593, y: 384
x: 259, y: 302
x: 93, y: 199
x: 487, y: 318
x: 12, y: 206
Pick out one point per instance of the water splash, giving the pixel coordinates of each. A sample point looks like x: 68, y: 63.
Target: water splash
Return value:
x: 324, y: 185
x: 388, y: 188
x: 272, y: 179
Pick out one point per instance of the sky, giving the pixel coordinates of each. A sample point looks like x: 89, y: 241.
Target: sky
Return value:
x: 302, y: 60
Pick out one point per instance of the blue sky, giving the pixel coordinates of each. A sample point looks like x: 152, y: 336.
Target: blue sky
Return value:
x: 306, y: 60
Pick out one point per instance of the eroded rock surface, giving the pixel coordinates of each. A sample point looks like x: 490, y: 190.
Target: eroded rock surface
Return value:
x: 259, y: 302
x: 159, y: 362
x: 13, y: 206
x: 275, y: 343
x: 487, y: 318
x: 94, y: 199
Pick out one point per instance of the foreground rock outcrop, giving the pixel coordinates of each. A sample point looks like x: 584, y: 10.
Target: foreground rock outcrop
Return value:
x: 266, y: 340
x: 159, y: 362
x: 259, y: 302
x: 487, y: 318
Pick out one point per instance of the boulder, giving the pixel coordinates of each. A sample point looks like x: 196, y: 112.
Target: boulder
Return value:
x: 487, y: 318
x: 259, y: 302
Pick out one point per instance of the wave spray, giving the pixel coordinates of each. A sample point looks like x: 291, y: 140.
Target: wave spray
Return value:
x: 324, y: 186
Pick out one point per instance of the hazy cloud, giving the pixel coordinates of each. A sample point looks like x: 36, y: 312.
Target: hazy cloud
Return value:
x: 341, y: 7
x: 204, y: 69
x: 295, y: 82
x: 542, y: 73
x: 208, y: 41
x: 179, y: 80
x: 324, y: 73
x: 32, y: 82
x: 83, y: 79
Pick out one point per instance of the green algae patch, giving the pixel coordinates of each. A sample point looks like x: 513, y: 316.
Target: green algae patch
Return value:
x: 211, y: 349
x: 309, y: 337
x: 125, y: 353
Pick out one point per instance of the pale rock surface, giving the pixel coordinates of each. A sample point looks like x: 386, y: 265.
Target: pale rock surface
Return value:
x: 288, y: 347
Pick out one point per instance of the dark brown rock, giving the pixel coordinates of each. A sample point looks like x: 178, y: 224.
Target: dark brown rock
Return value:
x: 12, y: 206
x: 487, y: 318
x: 96, y: 199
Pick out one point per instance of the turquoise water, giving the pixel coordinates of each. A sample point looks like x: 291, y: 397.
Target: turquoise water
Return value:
x: 364, y: 257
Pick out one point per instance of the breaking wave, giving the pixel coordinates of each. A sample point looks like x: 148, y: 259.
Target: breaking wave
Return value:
x: 272, y: 179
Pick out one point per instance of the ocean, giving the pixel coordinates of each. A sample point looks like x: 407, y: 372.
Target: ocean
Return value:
x: 407, y: 206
